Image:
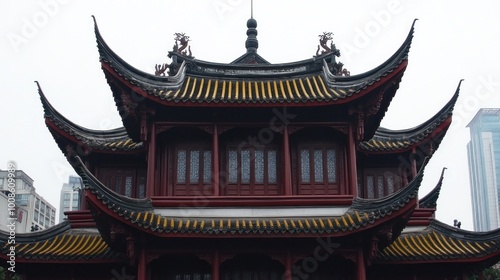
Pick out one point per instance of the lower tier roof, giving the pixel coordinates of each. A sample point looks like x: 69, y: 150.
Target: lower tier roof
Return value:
x: 61, y: 244
x: 442, y: 243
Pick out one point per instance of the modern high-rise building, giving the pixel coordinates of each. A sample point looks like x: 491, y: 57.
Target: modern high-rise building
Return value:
x: 70, y: 196
x: 484, y: 168
x: 33, y: 212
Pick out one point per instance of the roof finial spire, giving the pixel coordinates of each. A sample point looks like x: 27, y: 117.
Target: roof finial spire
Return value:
x: 251, y: 9
x: 251, y: 43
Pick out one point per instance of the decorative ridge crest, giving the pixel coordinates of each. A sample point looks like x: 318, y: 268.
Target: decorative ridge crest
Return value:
x: 336, y: 68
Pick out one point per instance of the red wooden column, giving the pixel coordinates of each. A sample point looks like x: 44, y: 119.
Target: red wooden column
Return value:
x: 215, y: 161
x: 141, y: 265
x: 150, y: 185
x: 414, y: 168
x: 360, y: 263
x: 288, y: 267
x: 287, y: 176
x: 215, y: 266
x: 351, y: 161
x: 414, y: 163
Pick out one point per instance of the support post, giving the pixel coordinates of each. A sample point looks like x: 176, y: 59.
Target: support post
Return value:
x: 216, y: 266
x: 141, y: 264
x: 287, y: 176
x: 351, y: 161
x: 360, y: 263
x: 150, y: 185
x: 215, y: 162
x: 288, y: 266
x: 414, y: 163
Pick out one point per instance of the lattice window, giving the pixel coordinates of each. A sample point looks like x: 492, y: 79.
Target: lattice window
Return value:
x: 193, y: 166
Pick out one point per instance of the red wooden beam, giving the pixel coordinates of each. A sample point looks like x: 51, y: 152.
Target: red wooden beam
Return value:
x: 226, y: 201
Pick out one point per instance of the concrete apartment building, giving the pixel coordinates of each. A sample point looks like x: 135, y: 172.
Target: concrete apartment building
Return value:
x: 33, y: 212
x: 70, y: 196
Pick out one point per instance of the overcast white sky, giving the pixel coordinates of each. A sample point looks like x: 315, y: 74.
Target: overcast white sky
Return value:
x: 53, y: 42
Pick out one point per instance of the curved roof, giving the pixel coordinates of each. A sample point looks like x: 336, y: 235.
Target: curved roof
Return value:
x: 97, y: 140
x: 430, y: 200
x: 440, y: 242
x: 202, y: 83
x: 363, y: 214
x: 401, y: 140
x: 60, y: 243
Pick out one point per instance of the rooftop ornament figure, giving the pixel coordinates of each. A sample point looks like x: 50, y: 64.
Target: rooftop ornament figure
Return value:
x: 160, y: 69
x: 181, y: 47
x: 183, y: 40
x: 323, y: 41
x: 337, y: 68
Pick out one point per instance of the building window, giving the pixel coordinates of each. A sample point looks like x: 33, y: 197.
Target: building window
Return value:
x: 128, y: 181
x: 1, y: 182
x: 381, y: 182
x: 251, y: 166
x: 243, y: 267
x: 318, y: 165
x: 75, y: 197
x: 194, y: 166
x: 318, y: 170
x: 22, y: 199
x: 252, y: 171
x: 180, y: 267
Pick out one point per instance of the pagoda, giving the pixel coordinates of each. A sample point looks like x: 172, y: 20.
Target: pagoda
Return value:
x: 252, y: 170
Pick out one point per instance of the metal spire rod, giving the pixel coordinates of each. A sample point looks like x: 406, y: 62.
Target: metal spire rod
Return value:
x: 251, y: 8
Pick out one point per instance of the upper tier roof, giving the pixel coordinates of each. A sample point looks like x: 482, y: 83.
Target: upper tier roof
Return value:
x: 204, y: 83
x: 433, y: 130
x: 97, y: 140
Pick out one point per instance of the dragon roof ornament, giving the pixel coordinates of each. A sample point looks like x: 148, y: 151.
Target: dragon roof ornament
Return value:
x: 337, y: 68
x: 181, y: 47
